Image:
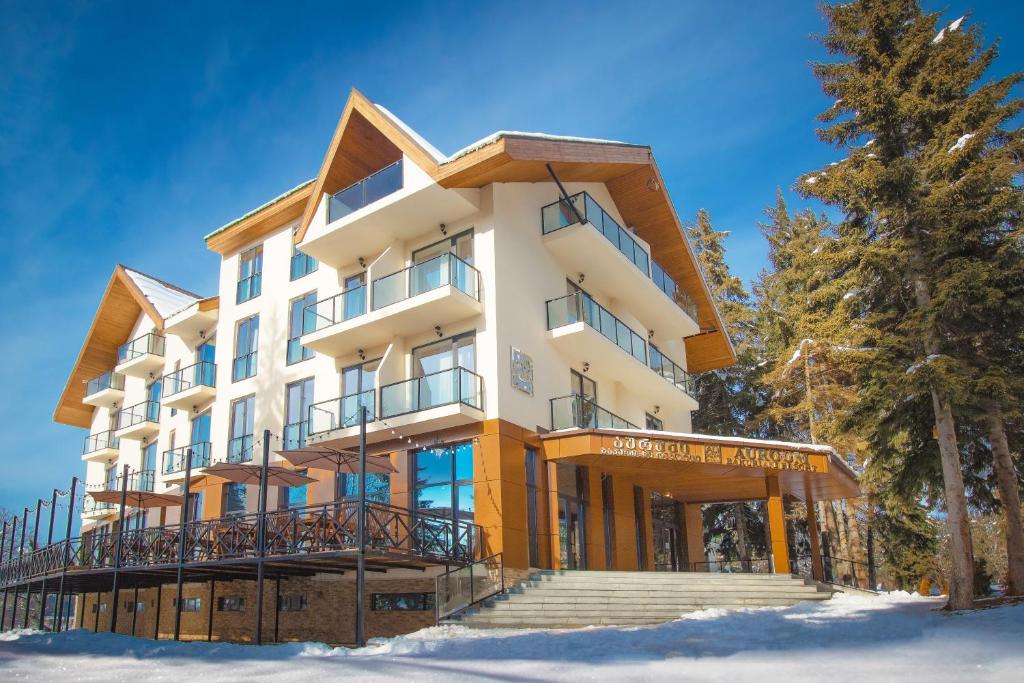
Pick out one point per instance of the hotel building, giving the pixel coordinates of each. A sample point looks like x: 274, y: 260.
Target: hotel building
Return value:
x: 521, y: 322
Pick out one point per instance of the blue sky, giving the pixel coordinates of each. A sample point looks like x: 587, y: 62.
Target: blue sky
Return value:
x: 130, y: 130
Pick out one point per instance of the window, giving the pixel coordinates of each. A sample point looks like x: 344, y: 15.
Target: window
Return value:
x: 608, y: 504
x: 292, y: 497
x: 444, y: 481
x: 302, y: 264
x: 293, y: 602
x: 298, y: 397
x: 189, y: 604
x: 148, y: 462
x: 654, y: 423
x: 298, y: 325
x: 234, y: 499
x: 402, y: 602
x: 250, y: 274
x: 153, y: 392
x: 641, y: 532
x: 240, y: 441
x: 246, y: 344
x: 378, y: 487
x: 531, y: 506
x: 230, y: 603
x: 358, y: 383
x: 132, y: 606
x: 458, y: 351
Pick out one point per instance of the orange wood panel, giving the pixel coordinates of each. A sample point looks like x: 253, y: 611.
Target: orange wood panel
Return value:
x: 777, y: 526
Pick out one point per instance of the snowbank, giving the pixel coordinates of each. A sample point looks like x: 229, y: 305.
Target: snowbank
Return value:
x: 849, y: 638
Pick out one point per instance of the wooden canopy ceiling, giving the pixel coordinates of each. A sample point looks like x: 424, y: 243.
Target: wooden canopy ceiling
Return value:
x: 113, y: 322
x: 366, y: 139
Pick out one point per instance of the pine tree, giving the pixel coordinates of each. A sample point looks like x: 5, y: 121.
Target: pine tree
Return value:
x: 902, y: 90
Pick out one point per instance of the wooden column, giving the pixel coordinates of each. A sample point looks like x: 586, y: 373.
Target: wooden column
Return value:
x: 817, y: 570
x: 693, y: 518
x: 777, y: 526
x: 552, y: 481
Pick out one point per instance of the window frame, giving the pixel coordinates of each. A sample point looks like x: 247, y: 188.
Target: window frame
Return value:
x: 252, y: 255
x: 252, y: 340
x: 305, y: 300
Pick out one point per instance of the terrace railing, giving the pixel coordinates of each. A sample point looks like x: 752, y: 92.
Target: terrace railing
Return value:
x: 100, y: 441
x: 147, y: 411
x: 176, y: 459
x: 672, y: 372
x: 575, y: 411
x: 366, y: 191
x: 455, y: 385
x: 108, y: 380
x: 581, y: 307
x: 150, y: 343
x: 203, y: 373
x: 341, y: 413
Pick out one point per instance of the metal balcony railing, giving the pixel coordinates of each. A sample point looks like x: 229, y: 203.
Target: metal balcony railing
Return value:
x: 147, y: 411
x: 100, y: 441
x: 150, y: 343
x: 581, y: 307
x: 176, y: 458
x: 672, y: 372
x: 108, y: 380
x: 343, y: 412
x: 575, y: 411
x: 456, y: 385
x: 203, y: 373
x: 366, y: 191
x: 240, y: 449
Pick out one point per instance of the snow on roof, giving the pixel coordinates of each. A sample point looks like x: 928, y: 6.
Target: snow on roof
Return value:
x: 438, y: 155
x: 493, y: 137
x: 166, y: 298
x: 260, y: 208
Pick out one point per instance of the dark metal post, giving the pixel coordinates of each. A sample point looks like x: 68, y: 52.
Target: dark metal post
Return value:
x: 565, y: 195
x: 186, y: 504
x: 209, y: 613
x: 117, y: 550
x: 3, y: 544
x: 42, y: 587
x: 67, y: 546
x: 361, y: 534
x: 96, y: 625
x: 156, y: 626
x: 35, y: 547
x: 261, y: 535
x: 277, y: 608
x: 135, y: 608
x: 872, y: 577
x: 21, y: 553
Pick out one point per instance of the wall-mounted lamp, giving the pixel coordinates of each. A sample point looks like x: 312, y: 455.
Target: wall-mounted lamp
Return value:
x: 650, y: 335
x: 444, y: 229
x: 586, y: 366
x: 580, y: 278
x: 362, y: 262
x: 362, y: 354
x: 437, y: 330
x: 657, y: 409
x: 202, y: 334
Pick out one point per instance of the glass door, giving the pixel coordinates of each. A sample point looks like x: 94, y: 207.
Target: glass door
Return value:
x: 586, y: 405
x: 298, y: 399
x: 667, y: 534
x: 153, y: 392
x: 358, y: 387
x: 354, y: 296
x: 572, y: 505
x: 434, y: 366
x: 431, y: 270
x: 205, y: 368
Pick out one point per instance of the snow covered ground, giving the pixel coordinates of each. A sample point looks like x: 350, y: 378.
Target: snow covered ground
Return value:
x: 895, y: 637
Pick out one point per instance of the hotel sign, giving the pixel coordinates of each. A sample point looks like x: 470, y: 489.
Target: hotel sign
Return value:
x: 711, y: 454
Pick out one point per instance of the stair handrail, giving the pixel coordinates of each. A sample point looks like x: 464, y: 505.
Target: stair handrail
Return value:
x: 494, y: 568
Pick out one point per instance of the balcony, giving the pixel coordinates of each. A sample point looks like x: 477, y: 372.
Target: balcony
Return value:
x: 442, y: 290
x: 616, y: 265
x: 176, y: 460
x: 449, y: 398
x: 139, y: 421
x: 104, y: 391
x: 101, y: 447
x: 142, y: 356
x: 195, y: 322
x: 240, y: 449
x: 189, y: 387
x: 94, y: 510
x: 576, y: 412
x: 397, y: 203
x: 583, y: 331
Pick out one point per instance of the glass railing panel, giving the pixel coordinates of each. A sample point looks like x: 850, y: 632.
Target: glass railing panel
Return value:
x: 389, y: 289
x: 147, y: 411
x: 456, y: 385
x: 249, y: 288
x: 100, y: 441
x: 575, y: 411
x: 108, y: 380
x: 569, y: 309
x: 176, y: 459
x: 424, y: 277
x: 366, y: 191
x: 351, y: 404
x: 295, y: 434
x: 240, y: 449
x: 671, y: 371
x: 399, y: 398
x: 141, y: 346
x: 471, y: 388
x: 203, y: 373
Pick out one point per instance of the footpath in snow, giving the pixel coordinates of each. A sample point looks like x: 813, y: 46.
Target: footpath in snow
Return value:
x: 849, y: 638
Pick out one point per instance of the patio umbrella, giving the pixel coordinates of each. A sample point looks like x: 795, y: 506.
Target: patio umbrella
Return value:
x: 137, y: 499
x: 336, y: 460
x: 246, y: 473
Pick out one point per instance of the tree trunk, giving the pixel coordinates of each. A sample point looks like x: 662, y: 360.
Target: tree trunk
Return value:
x: 1009, y: 495
x: 961, y: 583
x: 742, y: 547
x: 859, y: 568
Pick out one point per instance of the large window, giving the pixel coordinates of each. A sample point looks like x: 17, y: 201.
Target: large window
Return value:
x: 247, y: 338
x: 358, y: 389
x: 250, y: 274
x: 298, y: 396
x: 292, y: 497
x: 234, y: 499
x: 242, y: 423
x: 459, y: 351
x: 298, y: 325
x: 402, y: 602
x: 653, y: 423
x: 302, y: 264
x: 444, y: 481
x: 378, y: 486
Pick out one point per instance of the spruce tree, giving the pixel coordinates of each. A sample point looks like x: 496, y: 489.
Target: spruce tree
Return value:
x: 901, y: 87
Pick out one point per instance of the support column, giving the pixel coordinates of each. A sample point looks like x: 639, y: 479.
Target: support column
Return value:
x: 556, y: 546
x: 693, y: 518
x: 209, y: 613
x: 777, y: 526
x: 817, y: 570
x: 595, y: 521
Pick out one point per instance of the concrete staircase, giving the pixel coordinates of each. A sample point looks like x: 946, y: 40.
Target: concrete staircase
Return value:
x: 570, y: 599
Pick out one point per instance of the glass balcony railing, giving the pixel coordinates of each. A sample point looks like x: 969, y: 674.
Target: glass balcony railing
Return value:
x: 147, y: 411
x: 560, y: 215
x: 93, y: 506
x: 576, y: 411
x: 137, y: 481
x: 240, y: 449
x: 100, y: 441
x: 581, y: 307
x: 295, y: 434
x: 108, y: 380
x: 248, y: 287
x: 176, y: 459
x: 445, y: 269
x: 368, y: 190
x: 203, y: 373
x: 456, y: 385
x: 668, y: 369
x: 150, y: 343
x: 342, y: 413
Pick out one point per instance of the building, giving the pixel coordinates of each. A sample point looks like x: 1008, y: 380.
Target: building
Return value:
x: 520, y: 321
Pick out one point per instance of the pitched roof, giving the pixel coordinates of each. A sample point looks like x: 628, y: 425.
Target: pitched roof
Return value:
x: 129, y: 292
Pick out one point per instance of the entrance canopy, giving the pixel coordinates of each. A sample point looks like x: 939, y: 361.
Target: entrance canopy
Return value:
x: 698, y: 468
